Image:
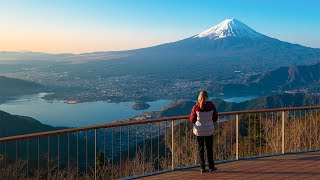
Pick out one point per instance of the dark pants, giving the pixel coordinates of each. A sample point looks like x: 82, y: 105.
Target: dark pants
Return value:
x: 209, y: 146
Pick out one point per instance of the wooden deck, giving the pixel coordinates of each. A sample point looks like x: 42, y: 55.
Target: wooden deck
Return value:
x: 292, y: 166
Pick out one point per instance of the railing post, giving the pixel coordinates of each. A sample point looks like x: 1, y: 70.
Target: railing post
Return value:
x: 237, y: 136
x: 128, y: 143
x: 172, y: 154
x: 120, y: 149
x: 5, y: 154
x: 95, y: 154
x: 282, y: 116
x: 16, y: 150
x: 38, y: 157
x: 86, y: 152
x: 112, y: 172
x: 48, y: 155
x: 58, y: 142
x: 77, y: 154
x: 28, y: 159
x: 158, y: 146
x: 68, y: 152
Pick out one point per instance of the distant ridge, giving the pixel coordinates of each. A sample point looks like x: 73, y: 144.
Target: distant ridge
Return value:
x: 183, y: 107
x: 281, y: 79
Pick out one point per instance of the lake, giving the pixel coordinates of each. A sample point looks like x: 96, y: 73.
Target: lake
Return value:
x: 238, y: 99
x: 59, y: 113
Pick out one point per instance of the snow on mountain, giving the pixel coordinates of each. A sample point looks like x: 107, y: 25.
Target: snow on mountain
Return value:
x: 228, y: 28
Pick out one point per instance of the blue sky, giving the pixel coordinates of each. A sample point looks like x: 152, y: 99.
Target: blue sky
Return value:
x: 101, y: 25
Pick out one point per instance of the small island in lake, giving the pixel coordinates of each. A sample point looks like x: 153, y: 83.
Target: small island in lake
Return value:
x: 72, y: 102
x: 140, y: 106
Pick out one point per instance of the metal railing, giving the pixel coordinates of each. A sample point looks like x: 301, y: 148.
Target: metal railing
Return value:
x: 143, y: 147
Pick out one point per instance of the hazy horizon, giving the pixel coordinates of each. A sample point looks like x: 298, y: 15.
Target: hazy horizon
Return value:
x: 92, y: 26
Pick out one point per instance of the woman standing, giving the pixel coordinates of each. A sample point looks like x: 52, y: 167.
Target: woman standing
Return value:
x: 203, y: 115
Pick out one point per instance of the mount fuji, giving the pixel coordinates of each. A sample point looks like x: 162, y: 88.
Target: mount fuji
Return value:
x: 227, y: 47
x: 232, y: 38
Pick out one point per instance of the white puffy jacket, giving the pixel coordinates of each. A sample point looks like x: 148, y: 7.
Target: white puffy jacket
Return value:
x: 204, y: 124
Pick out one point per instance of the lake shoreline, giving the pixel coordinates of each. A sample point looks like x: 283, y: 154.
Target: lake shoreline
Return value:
x: 80, y: 99
x: 60, y: 113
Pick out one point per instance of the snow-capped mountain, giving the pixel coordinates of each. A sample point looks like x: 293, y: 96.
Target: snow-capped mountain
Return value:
x: 226, y: 47
x: 229, y: 28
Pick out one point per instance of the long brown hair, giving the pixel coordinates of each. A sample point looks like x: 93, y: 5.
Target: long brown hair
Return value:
x: 202, y: 98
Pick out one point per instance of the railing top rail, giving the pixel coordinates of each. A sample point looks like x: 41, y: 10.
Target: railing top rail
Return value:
x: 136, y: 122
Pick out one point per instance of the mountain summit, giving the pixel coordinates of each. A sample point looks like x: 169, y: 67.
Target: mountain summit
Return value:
x: 227, y: 28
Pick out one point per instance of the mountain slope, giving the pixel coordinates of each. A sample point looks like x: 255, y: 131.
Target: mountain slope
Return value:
x: 281, y: 79
x: 8, y: 125
x: 272, y: 101
x: 289, y: 77
x: 12, y: 87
